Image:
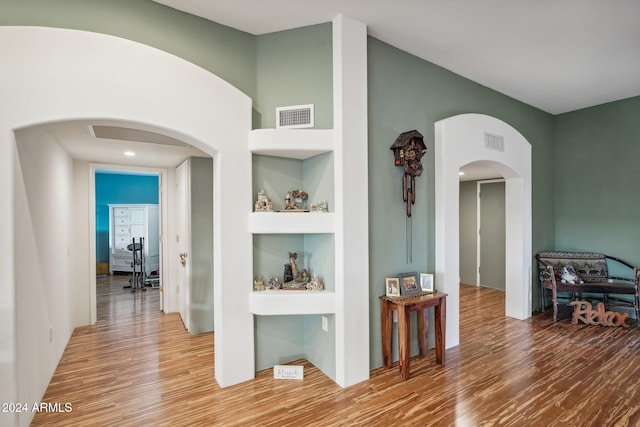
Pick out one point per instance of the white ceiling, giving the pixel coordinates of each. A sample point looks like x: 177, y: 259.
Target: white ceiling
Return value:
x: 556, y: 55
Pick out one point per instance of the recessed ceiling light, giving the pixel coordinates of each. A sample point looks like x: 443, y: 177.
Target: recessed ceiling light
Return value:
x: 129, y: 153
x: 460, y: 173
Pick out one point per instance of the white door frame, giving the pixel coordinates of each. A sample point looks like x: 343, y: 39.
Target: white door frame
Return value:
x: 183, y: 242
x: 460, y: 140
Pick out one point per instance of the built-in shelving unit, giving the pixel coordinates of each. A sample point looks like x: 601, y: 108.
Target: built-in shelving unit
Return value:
x: 299, y: 145
x: 331, y: 165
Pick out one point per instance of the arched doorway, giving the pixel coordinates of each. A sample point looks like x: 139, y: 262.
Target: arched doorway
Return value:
x: 464, y: 139
x: 57, y: 75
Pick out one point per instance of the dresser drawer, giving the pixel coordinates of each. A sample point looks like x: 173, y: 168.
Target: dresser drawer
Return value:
x: 121, y: 242
x: 121, y: 229
x: 121, y: 264
x: 121, y: 212
x: 121, y: 220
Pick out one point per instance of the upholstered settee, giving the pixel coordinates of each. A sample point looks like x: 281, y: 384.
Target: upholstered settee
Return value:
x: 592, y: 270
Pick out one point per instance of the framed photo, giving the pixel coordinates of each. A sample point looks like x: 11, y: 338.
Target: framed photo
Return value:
x: 409, y: 284
x: 426, y: 282
x: 393, y: 287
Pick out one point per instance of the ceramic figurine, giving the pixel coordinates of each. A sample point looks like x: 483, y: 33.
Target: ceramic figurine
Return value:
x: 315, y: 284
x: 263, y: 204
x: 321, y: 206
x: 258, y: 285
x: 288, y: 204
x: 273, y: 283
x: 293, y: 277
x: 295, y: 199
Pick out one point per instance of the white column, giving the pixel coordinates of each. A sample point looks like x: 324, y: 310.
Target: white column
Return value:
x: 351, y: 193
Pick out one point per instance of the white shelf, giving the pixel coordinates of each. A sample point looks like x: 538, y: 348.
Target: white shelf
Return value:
x: 283, y: 302
x: 291, y: 143
x: 291, y: 222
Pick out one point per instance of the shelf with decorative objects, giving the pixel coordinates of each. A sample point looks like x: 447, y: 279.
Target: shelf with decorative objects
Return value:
x: 284, y: 159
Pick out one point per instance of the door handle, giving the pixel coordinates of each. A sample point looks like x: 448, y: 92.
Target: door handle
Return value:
x: 183, y: 258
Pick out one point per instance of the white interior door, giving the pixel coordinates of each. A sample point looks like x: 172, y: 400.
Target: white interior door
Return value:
x: 183, y: 241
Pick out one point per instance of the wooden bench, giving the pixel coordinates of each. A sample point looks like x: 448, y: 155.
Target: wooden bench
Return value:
x: 592, y: 269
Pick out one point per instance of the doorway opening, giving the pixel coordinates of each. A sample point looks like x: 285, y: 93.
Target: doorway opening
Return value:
x: 119, y: 188
x: 461, y: 140
x: 482, y: 227
x: 491, y: 234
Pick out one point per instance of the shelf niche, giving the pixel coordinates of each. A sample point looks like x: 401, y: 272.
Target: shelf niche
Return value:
x: 316, y: 253
x: 292, y: 318
x: 278, y: 175
x: 285, y: 160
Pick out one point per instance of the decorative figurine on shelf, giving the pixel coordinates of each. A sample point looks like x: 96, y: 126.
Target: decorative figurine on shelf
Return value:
x: 288, y: 270
x: 258, y: 285
x: 294, y: 278
x: 263, y: 204
x: 320, y: 206
x: 315, y: 284
x: 273, y: 283
x: 295, y: 200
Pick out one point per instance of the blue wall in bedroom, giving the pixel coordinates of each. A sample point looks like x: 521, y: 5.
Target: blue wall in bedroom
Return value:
x: 112, y: 188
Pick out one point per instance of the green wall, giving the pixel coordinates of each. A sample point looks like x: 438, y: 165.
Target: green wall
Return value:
x: 279, y: 69
x: 408, y: 93
x: 468, y: 232
x: 226, y: 52
x: 597, y: 174
x: 201, y: 199
x: 295, y: 68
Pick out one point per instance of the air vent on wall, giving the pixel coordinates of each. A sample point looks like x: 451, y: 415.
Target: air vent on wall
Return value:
x: 294, y: 117
x: 493, y: 142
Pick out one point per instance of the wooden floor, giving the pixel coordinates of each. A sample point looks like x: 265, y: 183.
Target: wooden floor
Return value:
x: 138, y: 367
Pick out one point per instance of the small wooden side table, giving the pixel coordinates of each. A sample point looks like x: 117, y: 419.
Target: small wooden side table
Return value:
x: 404, y: 306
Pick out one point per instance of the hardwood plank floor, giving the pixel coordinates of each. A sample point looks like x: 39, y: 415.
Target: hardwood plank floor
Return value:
x: 138, y: 367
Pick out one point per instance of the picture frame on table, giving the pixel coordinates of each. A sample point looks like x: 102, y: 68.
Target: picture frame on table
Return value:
x: 426, y: 282
x: 409, y: 284
x: 392, y: 286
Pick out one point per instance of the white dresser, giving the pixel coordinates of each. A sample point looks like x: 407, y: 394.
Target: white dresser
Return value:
x: 133, y: 221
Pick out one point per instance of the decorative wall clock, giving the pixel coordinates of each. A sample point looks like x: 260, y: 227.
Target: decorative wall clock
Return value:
x: 408, y: 150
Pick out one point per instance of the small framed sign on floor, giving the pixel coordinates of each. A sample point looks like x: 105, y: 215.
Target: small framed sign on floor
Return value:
x: 288, y: 372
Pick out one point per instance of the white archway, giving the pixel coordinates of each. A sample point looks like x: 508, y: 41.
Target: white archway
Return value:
x: 460, y: 140
x: 52, y: 75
